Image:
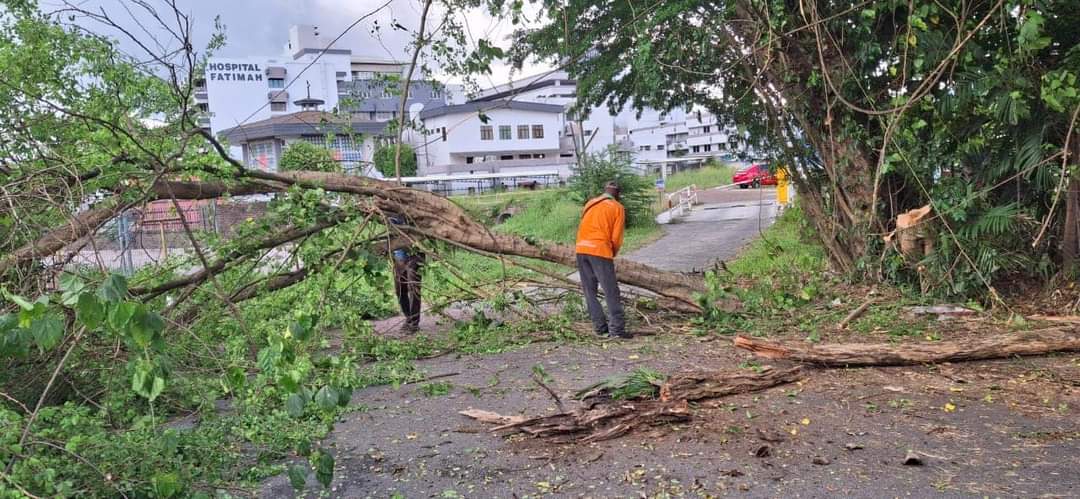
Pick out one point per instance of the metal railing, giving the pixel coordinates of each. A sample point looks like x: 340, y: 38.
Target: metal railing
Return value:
x: 683, y: 200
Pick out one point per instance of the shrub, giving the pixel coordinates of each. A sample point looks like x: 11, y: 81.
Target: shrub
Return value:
x: 596, y: 170
x: 384, y: 160
x: 303, y: 155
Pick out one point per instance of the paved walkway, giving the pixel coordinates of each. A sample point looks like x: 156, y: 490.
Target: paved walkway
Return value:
x: 714, y: 230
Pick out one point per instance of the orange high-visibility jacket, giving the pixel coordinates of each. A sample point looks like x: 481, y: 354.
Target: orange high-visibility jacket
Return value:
x: 601, y: 230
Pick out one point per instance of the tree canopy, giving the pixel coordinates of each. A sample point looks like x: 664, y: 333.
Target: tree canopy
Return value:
x: 881, y: 107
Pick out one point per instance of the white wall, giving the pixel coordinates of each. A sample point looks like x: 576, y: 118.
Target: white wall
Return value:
x: 463, y: 137
x: 233, y: 102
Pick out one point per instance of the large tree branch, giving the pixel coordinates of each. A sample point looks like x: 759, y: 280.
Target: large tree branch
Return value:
x: 446, y: 220
x: 272, y: 241
x: 87, y: 222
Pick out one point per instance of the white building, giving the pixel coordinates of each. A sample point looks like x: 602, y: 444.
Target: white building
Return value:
x: 458, y: 139
x: 241, y: 91
x: 491, y: 136
x: 696, y: 138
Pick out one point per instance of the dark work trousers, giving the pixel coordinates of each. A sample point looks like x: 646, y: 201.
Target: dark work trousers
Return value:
x: 596, y: 270
x: 407, y: 287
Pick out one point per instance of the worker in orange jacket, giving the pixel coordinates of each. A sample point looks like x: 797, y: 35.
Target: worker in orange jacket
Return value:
x: 599, y: 238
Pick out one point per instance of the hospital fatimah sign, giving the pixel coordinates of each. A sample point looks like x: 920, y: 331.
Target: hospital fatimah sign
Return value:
x: 233, y: 71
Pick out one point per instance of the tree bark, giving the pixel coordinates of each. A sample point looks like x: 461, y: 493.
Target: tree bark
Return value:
x: 1070, y: 238
x: 886, y: 354
x: 714, y: 384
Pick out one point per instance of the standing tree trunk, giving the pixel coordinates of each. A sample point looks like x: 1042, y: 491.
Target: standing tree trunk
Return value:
x: 1070, y: 238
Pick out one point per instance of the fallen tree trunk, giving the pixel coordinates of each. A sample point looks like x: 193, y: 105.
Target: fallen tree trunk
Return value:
x: 73, y: 230
x: 613, y: 418
x: 713, y: 384
x: 886, y: 354
x: 432, y: 214
x: 87, y: 222
x: 444, y: 219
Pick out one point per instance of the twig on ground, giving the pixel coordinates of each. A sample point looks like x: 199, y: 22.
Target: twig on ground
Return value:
x: 554, y: 396
x: 856, y: 313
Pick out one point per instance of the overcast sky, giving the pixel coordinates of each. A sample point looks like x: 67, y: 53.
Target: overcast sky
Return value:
x: 261, y: 27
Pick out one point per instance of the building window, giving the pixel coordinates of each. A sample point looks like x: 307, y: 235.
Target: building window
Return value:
x: 342, y: 148
x: 706, y: 129
x: 539, y: 156
x: 486, y: 132
x: 659, y: 147
x: 362, y: 75
x: 506, y: 157
x: 708, y: 147
x: 278, y: 107
x: 468, y: 160
x: 276, y: 82
x: 646, y: 148
x: 505, y: 132
x: 436, y: 93
x: 538, y: 131
x: 525, y: 156
x: 444, y: 134
x: 388, y: 93
x: 261, y: 155
x: 523, y: 132
x: 695, y: 149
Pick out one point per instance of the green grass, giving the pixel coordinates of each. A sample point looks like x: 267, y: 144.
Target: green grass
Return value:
x: 782, y: 249
x: 782, y: 283
x: 706, y: 176
x: 775, y: 279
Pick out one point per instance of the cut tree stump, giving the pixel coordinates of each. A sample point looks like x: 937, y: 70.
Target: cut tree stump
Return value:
x: 886, y: 354
x: 614, y: 418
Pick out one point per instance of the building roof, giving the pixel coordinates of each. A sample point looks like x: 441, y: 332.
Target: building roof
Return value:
x: 514, y: 87
x: 301, y: 123
x: 479, y: 176
x: 480, y: 106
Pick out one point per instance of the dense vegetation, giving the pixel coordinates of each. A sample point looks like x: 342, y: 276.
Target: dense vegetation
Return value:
x: 969, y: 107
x: 385, y: 156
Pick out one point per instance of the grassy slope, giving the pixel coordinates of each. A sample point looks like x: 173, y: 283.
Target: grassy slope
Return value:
x: 708, y: 176
x: 784, y: 285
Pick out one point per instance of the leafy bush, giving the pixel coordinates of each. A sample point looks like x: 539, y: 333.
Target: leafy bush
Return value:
x: 596, y: 170
x: 384, y: 160
x: 303, y: 155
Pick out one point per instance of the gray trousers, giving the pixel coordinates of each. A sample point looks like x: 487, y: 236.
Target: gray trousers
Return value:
x: 596, y: 270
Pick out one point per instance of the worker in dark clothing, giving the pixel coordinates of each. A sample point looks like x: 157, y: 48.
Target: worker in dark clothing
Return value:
x: 407, y: 265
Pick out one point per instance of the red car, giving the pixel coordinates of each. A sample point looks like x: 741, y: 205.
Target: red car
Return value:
x: 754, y: 175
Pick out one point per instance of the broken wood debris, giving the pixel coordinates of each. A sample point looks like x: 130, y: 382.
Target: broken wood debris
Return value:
x: 613, y: 418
